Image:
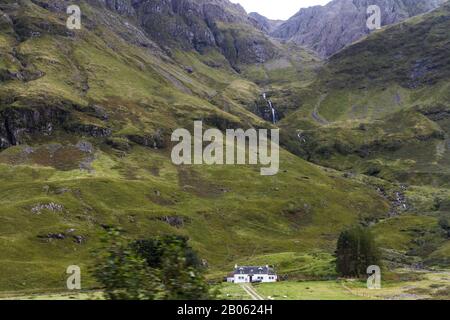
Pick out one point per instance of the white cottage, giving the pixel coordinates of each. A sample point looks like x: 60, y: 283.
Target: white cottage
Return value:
x: 243, y: 274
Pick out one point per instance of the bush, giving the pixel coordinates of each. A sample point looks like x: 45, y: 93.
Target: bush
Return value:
x: 123, y: 274
x: 180, y: 268
x: 152, y: 269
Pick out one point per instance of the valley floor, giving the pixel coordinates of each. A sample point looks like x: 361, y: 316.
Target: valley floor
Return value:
x: 422, y: 285
x: 429, y: 285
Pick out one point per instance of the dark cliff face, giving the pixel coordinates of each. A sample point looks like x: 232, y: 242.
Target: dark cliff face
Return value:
x: 17, y: 123
x: 328, y: 29
x: 199, y: 25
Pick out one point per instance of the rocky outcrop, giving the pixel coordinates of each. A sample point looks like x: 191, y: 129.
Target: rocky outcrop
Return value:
x: 199, y: 25
x: 121, y: 6
x: 87, y: 129
x: 327, y: 29
x: 436, y: 113
x: 156, y: 140
x: 174, y: 221
x: 264, y: 24
x: 52, y: 207
x: 17, y: 123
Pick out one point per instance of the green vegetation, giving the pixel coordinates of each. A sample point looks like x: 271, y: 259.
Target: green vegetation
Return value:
x: 407, y: 285
x: 100, y: 78
x: 385, y: 114
x: 356, y: 251
x: 308, y: 290
x: 161, y: 268
x: 92, y: 112
x: 231, y: 291
x: 124, y: 274
x: 143, y: 196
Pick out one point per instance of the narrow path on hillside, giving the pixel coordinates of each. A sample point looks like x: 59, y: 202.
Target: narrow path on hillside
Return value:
x: 315, y: 114
x: 251, y: 291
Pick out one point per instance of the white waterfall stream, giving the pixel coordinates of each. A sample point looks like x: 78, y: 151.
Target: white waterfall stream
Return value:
x: 272, y: 109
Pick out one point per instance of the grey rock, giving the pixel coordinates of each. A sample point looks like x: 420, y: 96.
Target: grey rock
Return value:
x: 17, y: 123
x: 85, y: 146
x: 53, y: 207
x: 196, y: 24
x: 53, y: 236
x: 79, y: 239
x: 89, y: 130
x: 155, y: 140
x: 327, y: 29
x: 174, y: 221
x: 264, y: 24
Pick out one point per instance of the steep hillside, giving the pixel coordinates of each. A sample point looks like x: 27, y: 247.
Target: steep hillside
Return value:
x: 224, y: 33
x: 364, y: 90
x: 200, y: 25
x: 327, y: 29
x: 265, y: 24
x: 381, y: 108
x: 86, y: 117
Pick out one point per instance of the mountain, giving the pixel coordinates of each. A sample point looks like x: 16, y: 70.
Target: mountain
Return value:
x: 265, y: 24
x: 380, y: 107
x: 85, y: 123
x: 199, y: 25
x: 385, y: 102
x: 86, y: 118
x: 327, y: 29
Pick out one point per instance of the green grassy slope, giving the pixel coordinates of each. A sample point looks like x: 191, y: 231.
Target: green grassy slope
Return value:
x: 398, y: 67
x: 112, y: 103
x: 378, y: 110
x: 230, y: 213
x: 380, y: 107
x: 287, y: 77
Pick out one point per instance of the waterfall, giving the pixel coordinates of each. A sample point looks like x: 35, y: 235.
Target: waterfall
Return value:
x: 272, y: 109
x: 274, y: 117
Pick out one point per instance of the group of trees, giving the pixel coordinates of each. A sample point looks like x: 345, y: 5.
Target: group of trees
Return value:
x: 152, y: 269
x: 356, y: 251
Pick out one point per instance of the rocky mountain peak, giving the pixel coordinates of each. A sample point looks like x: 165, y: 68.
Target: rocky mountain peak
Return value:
x: 199, y: 25
x: 327, y: 29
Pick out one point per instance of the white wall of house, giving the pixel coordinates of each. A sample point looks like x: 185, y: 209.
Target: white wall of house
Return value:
x: 265, y: 277
x: 245, y: 278
x: 241, y: 278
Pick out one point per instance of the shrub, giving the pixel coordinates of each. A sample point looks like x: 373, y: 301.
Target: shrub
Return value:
x: 160, y: 268
x: 123, y: 274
